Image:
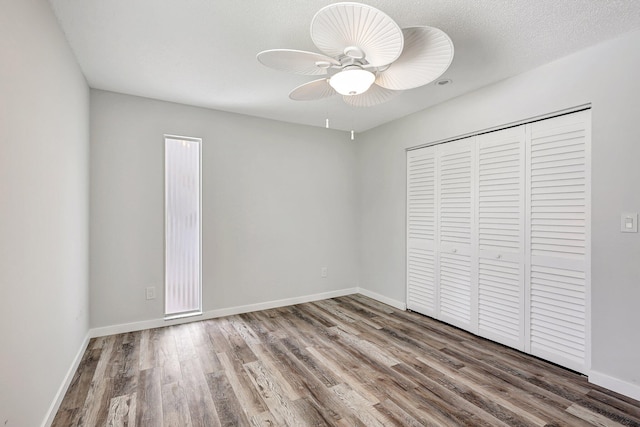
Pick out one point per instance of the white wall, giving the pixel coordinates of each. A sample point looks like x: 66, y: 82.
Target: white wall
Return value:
x: 279, y: 202
x: 606, y: 76
x: 44, y: 141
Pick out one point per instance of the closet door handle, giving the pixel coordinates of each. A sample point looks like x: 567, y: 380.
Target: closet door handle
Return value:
x: 454, y: 251
x: 499, y: 257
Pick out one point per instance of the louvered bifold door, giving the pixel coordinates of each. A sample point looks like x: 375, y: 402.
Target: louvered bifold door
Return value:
x: 501, y: 216
x: 421, y: 229
x: 456, y: 233
x: 558, y: 228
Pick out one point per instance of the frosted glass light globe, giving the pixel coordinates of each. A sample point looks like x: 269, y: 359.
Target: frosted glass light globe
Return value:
x: 352, y: 81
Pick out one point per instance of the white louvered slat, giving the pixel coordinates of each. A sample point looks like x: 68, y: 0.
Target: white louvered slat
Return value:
x: 420, y: 280
x: 455, y: 181
x: 421, y: 229
x: 501, y: 180
x: 558, y: 323
x: 456, y: 233
x: 421, y: 195
x: 558, y: 247
x: 500, y: 301
x: 558, y: 187
x: 455, y: 289
x: 501, y: 190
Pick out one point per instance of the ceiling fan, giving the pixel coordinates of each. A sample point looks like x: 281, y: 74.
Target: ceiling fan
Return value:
x: 367, y: 57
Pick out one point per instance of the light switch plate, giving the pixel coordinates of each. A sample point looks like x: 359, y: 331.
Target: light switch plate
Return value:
x: 629, y: 222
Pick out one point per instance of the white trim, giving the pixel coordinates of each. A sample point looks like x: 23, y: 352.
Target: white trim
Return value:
x: 400, y: 305
x: 587, y: 268
x: 158, y: 323
x: 55, y: 405
x: 185, y: 314
x: 615, y: 384
x: 525, y: 240
x: 185, y: 138
x: 407, y: 181
x: 474, y: 266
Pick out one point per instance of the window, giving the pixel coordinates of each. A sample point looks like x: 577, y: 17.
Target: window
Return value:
x: 183, y: 291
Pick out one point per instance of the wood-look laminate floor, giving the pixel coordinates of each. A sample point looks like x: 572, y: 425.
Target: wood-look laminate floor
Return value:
x: 348, y: 361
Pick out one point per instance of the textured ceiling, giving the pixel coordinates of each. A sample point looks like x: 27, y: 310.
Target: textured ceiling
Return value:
x: 203, y: 52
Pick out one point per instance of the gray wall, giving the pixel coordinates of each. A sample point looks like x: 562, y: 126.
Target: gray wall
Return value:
x: 44, y: 201
x: 606, y: 76
x: 279, y: 202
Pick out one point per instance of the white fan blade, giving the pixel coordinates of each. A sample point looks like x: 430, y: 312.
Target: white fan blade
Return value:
x: 427, y: 54
x: 374, y: 96
x: 297, y: 61
x: 311, y: 91
x: 353, y: 27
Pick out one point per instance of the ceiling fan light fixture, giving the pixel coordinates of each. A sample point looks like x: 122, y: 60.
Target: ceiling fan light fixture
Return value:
x: 352, y: 81
x: 367, y: 58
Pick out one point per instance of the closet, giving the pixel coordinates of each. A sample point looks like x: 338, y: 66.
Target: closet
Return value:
x: 498, y: 236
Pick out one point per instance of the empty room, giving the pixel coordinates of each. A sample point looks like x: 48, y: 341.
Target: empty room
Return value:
x: 310, y: 213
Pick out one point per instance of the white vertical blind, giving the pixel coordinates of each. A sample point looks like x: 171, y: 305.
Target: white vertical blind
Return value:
x: 182, y: 226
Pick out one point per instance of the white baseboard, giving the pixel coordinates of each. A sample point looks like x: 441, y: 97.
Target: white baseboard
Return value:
x: 53, y: 409
x: 212, y: 314
x: 615, y: 384
x: 400, y: 305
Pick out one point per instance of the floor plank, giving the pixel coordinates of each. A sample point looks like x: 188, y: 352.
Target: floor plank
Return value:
x: 348, y: 361
x: 175, y: 410
x: 149, y: 399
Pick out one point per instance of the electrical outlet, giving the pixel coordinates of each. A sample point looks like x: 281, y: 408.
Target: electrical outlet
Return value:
x: 151, y: 292
x: 324, y: 272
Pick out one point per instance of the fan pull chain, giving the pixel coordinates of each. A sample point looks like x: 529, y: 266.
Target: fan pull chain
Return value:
x: 353, y: 119
x: 326, y: 113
